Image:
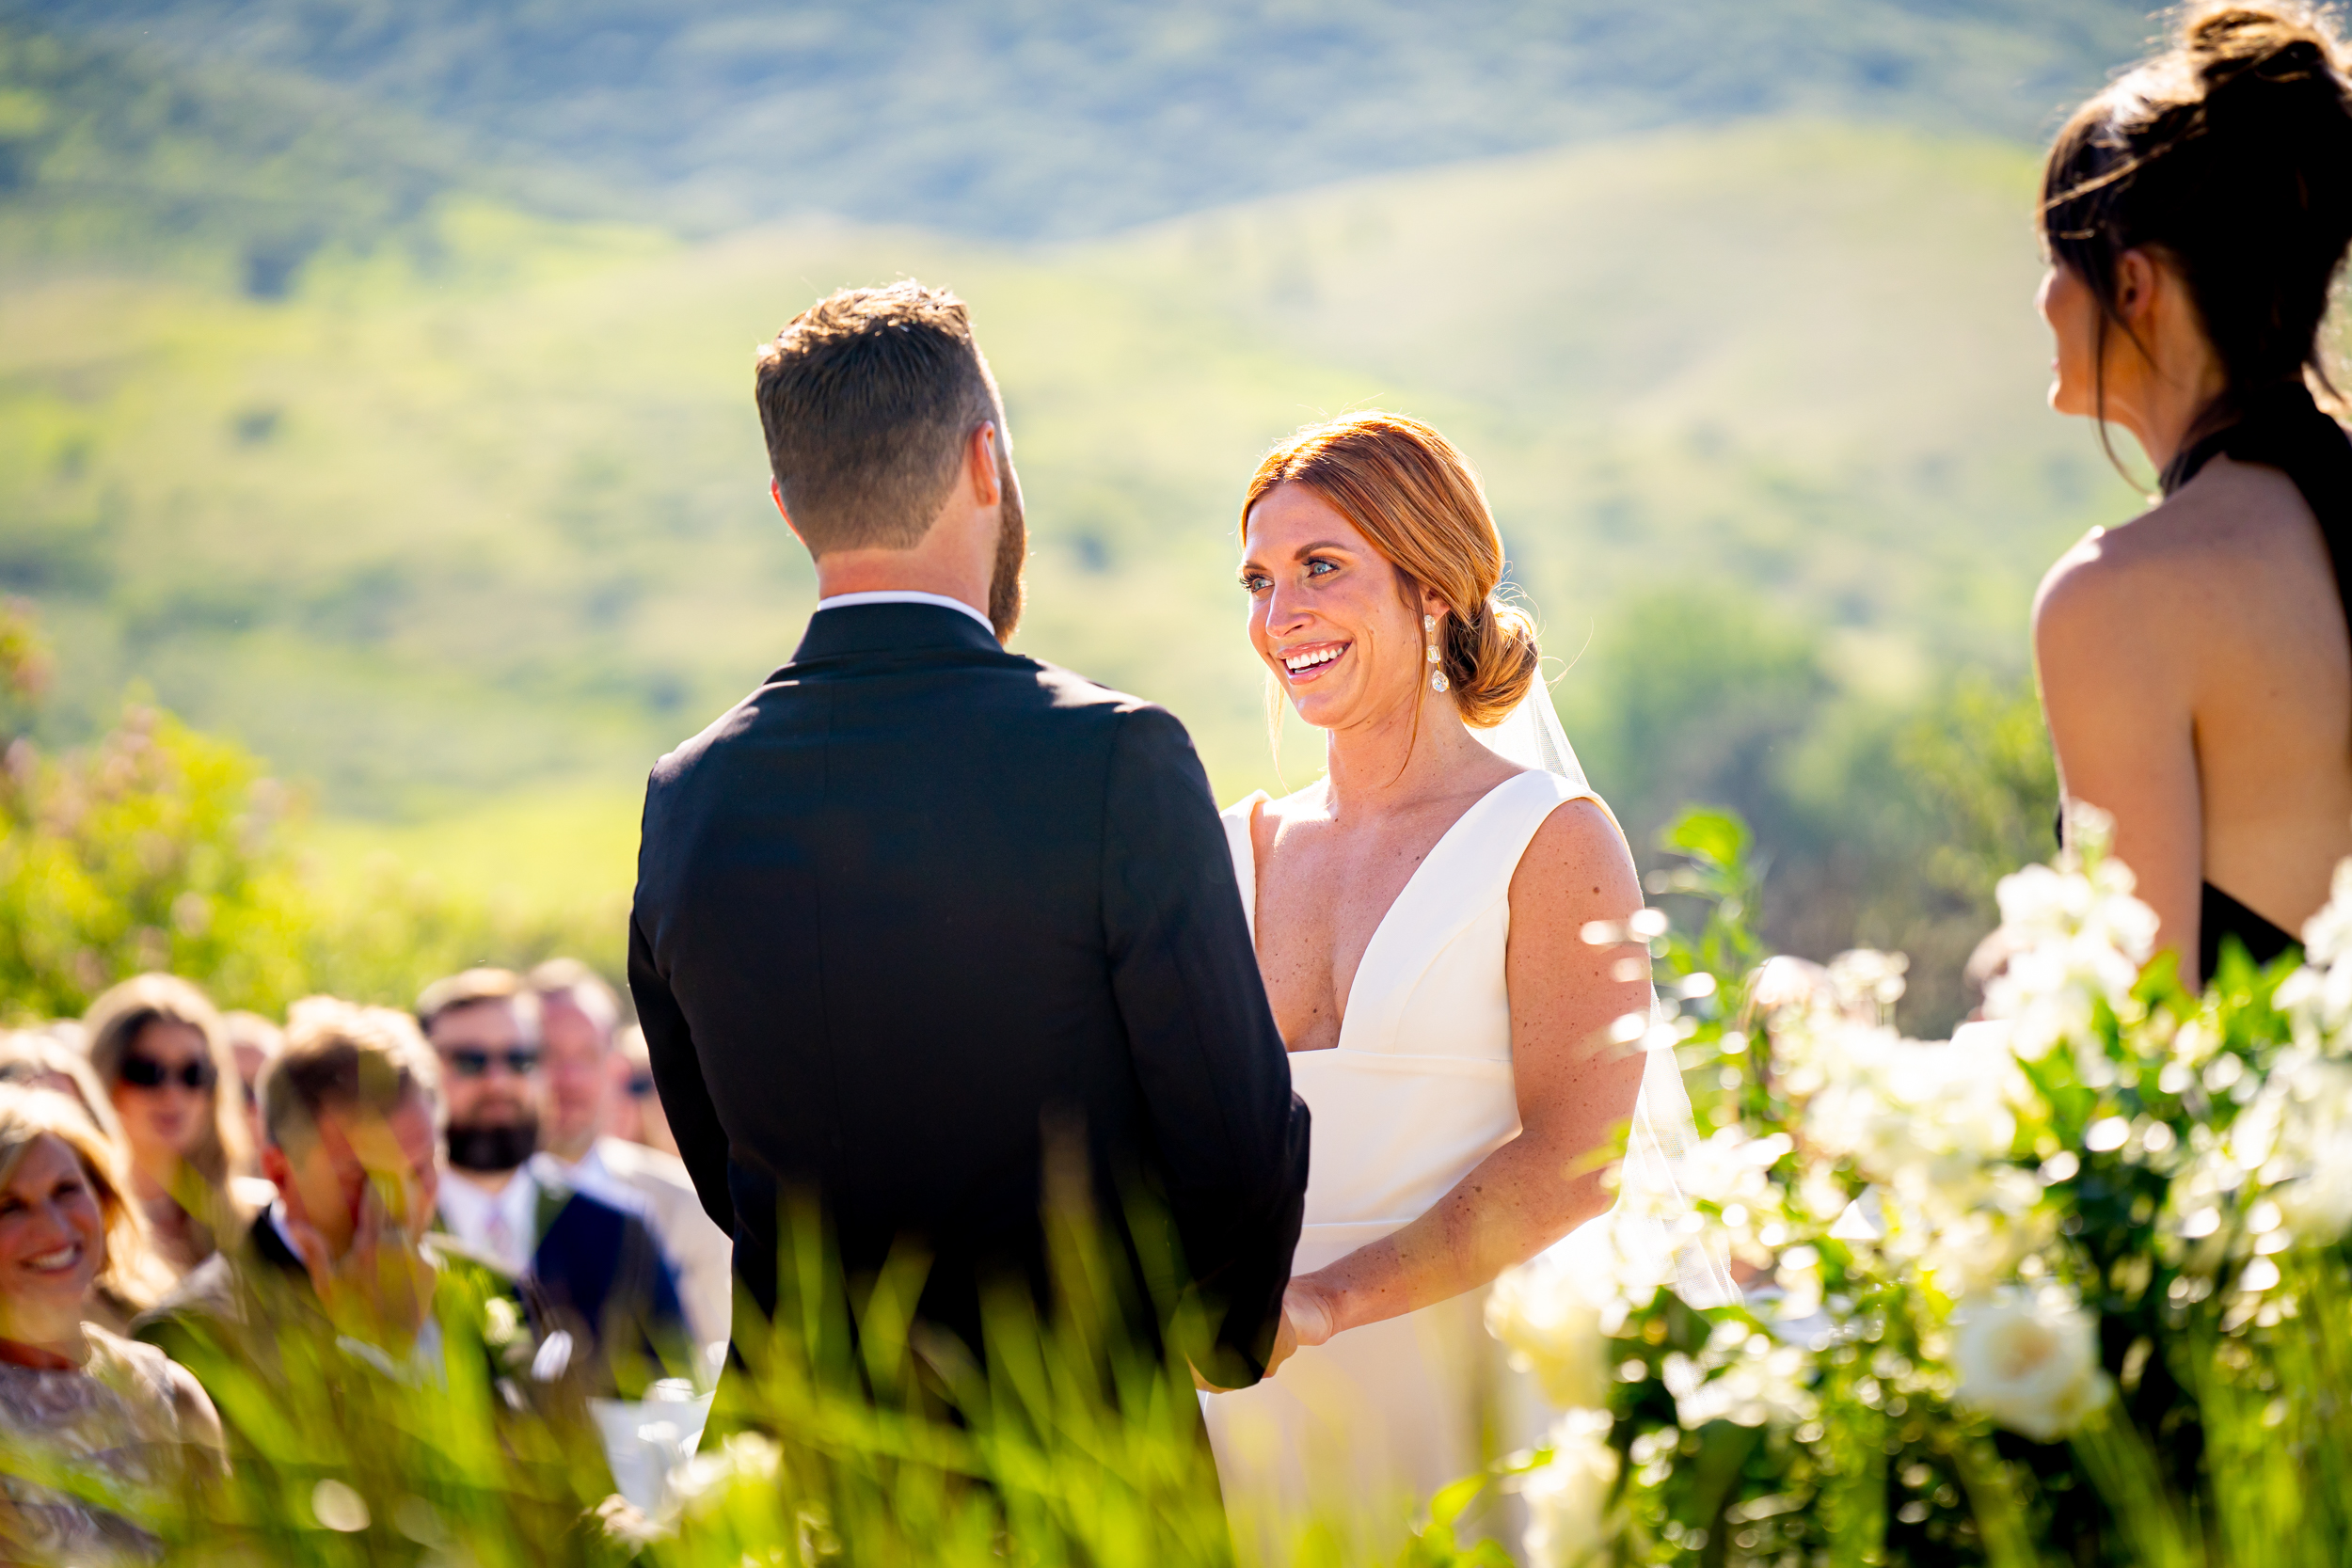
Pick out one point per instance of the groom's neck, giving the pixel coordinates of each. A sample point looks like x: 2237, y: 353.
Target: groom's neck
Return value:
x: 915, y: 571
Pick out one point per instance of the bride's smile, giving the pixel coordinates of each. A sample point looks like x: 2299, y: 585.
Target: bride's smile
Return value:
x: 1304, y: 664
x: 1333, y: 618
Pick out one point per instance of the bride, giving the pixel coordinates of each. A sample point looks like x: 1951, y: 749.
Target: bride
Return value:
x: 1419, y: 917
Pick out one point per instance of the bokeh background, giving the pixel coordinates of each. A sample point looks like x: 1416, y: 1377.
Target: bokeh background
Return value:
x: 374, y: 389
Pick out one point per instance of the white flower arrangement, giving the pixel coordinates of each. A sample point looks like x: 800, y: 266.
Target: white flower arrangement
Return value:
x: 1934, y: 1231
x: 1567, y: 1498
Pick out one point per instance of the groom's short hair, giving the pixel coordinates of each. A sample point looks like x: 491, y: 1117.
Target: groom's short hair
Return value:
x: 867, y: 400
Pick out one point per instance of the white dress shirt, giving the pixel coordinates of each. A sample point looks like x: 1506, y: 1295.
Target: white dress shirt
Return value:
x: 902, y: 595
x: 501, y: 1226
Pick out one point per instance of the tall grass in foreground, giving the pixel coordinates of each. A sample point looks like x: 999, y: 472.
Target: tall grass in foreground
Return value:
x: 847, y: 1435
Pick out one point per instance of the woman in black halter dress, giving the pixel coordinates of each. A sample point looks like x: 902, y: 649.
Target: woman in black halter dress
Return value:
x: 2196, y: 666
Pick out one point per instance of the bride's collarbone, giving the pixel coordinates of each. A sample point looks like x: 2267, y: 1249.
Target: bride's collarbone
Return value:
x: 1322, y: 901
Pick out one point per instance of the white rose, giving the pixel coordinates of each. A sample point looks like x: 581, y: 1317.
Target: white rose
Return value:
x: 2314, y: 1195
x: 2029, y: 1361
x: 1547, y: 1313
x: 1567, y: 1498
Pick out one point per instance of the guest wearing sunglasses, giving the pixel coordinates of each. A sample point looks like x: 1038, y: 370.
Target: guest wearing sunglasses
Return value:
x: 637, y: 1114
x: 596, y: 1263
x: 158, y: 1048
x: 254, y: 1042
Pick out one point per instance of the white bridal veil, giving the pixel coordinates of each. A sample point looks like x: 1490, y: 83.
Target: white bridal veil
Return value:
x: 1656, y: 1231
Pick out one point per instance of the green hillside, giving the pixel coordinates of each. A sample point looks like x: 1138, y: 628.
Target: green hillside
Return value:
x: 1075, y: 116
x: 341, y: 439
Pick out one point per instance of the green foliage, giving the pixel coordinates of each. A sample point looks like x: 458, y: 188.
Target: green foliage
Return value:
x: 164, y: 848
x: 833, y: 1442
x: 146, y: 854
x: 108, y: 149
x: 1980, y: 760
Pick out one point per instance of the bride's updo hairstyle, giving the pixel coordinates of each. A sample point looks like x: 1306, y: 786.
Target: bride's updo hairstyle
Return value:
x: 1407, y: 491
x: 2231, y: 154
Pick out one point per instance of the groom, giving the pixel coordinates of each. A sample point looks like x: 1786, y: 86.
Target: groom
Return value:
x: 920, y: 912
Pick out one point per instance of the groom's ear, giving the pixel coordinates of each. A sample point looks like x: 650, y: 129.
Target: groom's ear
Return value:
x: 775, y: 493
x: 981, y: 458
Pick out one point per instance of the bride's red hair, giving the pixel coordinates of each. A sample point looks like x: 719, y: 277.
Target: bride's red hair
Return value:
x: 1407, y: 490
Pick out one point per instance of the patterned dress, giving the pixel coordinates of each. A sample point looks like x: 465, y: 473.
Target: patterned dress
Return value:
x: 128, y: 1419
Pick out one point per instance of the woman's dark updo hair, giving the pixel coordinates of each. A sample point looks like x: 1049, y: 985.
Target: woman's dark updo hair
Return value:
x: 2231, y: 153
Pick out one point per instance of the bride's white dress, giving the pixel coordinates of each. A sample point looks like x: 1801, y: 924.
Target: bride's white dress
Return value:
x: 1357, y: 1432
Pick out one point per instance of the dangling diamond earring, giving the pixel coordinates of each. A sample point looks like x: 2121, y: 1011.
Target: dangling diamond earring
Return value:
x: 1437, y: 672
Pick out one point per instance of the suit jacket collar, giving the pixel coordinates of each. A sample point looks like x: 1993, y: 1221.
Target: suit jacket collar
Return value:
x: 890, y: 629
x: 271, y: 1248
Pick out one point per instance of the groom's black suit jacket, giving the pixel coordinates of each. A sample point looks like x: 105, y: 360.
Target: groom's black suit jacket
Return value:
x: 917, y: 906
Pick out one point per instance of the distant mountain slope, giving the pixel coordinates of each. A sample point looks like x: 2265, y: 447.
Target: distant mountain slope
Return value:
x: 1067, y: 117
x: 425, y: 543
x: 117, y: 154
x: 1807, y: 347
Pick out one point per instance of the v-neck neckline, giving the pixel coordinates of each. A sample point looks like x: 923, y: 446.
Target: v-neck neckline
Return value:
x: 1348, y: 1004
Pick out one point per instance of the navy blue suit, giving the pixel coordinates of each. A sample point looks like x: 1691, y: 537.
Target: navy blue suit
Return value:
x: 600, y: 1270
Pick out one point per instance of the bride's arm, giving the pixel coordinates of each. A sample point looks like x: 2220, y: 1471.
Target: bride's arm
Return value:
x: 1575, y: 1090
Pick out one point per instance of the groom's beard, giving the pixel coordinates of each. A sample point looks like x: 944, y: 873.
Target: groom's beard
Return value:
x: 1006, y: 589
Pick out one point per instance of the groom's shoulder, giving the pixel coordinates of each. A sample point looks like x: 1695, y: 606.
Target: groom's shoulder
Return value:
x: 1081, y: 700
x: 1001, y: 696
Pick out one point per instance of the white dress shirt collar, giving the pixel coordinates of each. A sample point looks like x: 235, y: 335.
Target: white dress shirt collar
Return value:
x: 902, y: 595
x: 503, y: 1226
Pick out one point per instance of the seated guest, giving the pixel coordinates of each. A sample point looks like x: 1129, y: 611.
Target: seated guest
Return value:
x: 253, y: 1041
x: 37, y: 1059
x: 637, y: 1114
x: 96, y: 1405
x: 350, y: 1119
x: 578, y: 1015
x: 598, y: 1265
x: 157, y: 1046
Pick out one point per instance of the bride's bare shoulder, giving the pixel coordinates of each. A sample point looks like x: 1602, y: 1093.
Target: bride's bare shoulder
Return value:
x: 1576, y: 867
x: 1270, y: 816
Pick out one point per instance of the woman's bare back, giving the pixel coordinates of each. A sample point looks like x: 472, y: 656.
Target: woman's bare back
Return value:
x: 2197, y: 672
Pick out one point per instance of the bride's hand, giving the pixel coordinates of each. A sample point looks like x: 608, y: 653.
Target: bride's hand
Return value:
x: 1308, y: 1313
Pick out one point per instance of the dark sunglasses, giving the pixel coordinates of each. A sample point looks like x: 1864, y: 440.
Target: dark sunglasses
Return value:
x: 641, y: 1085
x: 146, y: 1072
x: 468, y: 1061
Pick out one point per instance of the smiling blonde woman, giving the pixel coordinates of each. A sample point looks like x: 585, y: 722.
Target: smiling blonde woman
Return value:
x: 70, y: 1392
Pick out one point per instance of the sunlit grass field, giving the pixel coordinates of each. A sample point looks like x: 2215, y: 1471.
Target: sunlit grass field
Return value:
x: 464, y: 547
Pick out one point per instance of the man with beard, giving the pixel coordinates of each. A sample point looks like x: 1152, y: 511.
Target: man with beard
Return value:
x: 921, y: 917
x: 596, y: 1266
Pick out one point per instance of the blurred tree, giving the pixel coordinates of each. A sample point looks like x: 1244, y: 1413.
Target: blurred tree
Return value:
x: 150, y: 851
x: 1882, y: 824
x: 1981, y: 761
x: 161, y: 849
